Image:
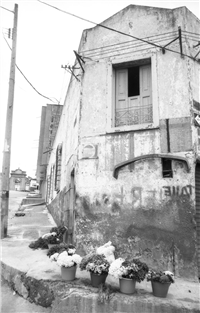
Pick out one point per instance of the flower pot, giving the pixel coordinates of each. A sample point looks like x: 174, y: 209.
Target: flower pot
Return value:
x: 97, y: 280
x: 50, y: 245
x: 127, y: 285
x: 160, y: 289
x: 68, y: 273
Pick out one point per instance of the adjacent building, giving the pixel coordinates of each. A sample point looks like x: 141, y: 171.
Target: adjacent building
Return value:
x: 50, y: 117
x: 124, y: 164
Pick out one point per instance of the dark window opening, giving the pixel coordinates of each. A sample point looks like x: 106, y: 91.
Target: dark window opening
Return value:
x: 167, y: 168
x: 133, y: 81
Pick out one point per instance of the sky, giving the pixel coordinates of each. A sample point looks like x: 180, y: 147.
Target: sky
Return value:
x: 46, y: 39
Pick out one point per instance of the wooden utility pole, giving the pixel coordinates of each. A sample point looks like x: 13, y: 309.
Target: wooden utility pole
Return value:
x: 8, y: 134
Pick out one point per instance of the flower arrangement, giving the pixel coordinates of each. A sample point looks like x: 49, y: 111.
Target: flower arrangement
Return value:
x: 61, y: 248
x: 40, y: 243
x: 108, y: 251
x: 134, y: 269
x: 161, y: 277
x: 66, y: 260
x: 51, y: 238
x: 66, y: 256
x: 60, y: 230
x: 95, y: 263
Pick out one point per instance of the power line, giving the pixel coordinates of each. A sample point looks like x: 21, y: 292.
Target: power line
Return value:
x: 119, y: 32
x: 118, y: 47
x: 129, y: 42
x: 27, y: 78
x: 185, y: 31
x: 101, y: 25
x: 6, y: 9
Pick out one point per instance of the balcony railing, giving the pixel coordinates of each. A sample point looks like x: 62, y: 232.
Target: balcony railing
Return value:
x: 134, y: 115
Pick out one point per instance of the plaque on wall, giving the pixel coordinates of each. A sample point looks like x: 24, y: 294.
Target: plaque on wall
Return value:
x: 89, y: 151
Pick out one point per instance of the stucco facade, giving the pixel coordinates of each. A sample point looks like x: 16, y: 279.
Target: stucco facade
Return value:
x: 127, y: 170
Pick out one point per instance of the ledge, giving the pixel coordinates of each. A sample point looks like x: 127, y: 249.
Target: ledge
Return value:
x: 149, y: 156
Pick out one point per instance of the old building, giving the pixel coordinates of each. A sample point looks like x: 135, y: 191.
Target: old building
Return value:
x: 50, y: 117
x: 124, y: 165
x: 18, y: 180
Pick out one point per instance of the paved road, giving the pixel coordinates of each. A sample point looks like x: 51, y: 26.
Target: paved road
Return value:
x: 11, y: 302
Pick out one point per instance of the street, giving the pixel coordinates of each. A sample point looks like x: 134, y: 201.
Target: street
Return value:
x: 11, y: 302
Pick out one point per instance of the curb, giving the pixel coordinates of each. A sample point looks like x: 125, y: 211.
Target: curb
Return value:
x: 80, y: 296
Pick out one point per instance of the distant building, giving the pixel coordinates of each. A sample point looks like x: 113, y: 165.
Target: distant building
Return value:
x: 18, y: 180
x: 50, y: 118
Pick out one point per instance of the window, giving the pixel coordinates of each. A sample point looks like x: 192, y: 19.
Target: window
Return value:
x: 51, y: 181
x: 133, y: 95
x: 167, y: 168
x: 58, y: 167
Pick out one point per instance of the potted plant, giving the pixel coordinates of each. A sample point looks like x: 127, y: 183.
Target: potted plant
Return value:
x: 68, y: 263
x: 128, y: 272
x: 160, y: 282
x: 40, y: 243
x: 98, y: 266
x: 60, y: 231
x: 61, y: 248
x: 51, y: 238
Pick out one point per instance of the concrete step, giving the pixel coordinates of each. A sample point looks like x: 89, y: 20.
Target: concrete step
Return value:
x: 32, y: 200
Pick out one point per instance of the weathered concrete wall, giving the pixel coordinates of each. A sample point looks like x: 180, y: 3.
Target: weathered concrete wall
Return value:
x: 155, y: 222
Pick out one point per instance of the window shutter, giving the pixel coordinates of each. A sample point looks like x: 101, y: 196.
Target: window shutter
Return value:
x: 121, y: 97
x: 145, y: 94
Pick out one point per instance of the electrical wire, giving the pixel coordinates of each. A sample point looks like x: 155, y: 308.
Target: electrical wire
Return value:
x: 127, y: 47
x: 185, y: 31
x: 7, y: 9
x: 124, y: 43
x: 101, y: 25
x: 26, y: 77
x: 117, y: 31
x: 191, y: 36
x: 197, y: 40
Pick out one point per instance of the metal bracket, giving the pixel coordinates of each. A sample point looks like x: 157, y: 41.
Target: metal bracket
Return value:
x: 180, y: 42
x: 80, y: 60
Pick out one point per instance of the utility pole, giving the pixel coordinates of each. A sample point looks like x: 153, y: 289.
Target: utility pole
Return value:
x: 8, y: 134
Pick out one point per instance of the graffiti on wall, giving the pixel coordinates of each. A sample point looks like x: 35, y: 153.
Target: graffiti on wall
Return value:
x: 171, y: 191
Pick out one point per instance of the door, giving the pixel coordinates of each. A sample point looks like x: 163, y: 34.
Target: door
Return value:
x: 197, y: 194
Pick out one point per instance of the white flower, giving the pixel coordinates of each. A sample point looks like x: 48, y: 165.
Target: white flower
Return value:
x: 68, y: 260
x: 116, y: 268
x: 47, y: 235
x: 169, y: 273
x: 108, y: 250
x: 71, y: 251
x: 76, y: 258
x: 54, y: 257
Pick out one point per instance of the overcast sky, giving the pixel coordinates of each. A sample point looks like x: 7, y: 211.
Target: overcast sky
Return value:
x: 46, y: 39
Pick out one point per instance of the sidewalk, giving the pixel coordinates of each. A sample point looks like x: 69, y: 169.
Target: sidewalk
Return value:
x: 34, y: 277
